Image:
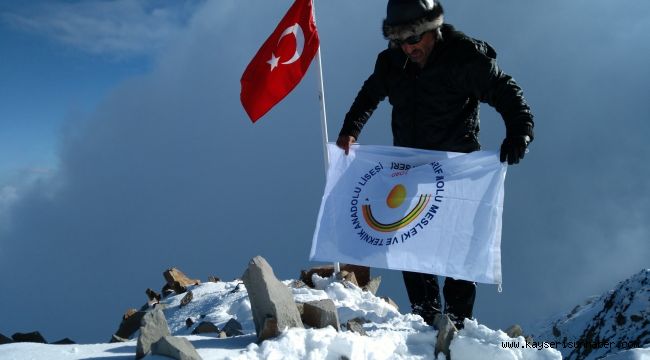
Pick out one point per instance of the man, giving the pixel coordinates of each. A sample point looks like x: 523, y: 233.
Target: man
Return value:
x: 435, y: 77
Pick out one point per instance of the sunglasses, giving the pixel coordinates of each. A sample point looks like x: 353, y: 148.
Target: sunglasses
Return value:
x: 411, y: 40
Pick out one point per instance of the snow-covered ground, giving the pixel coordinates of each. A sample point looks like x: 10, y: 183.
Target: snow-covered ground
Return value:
x: 390, y: 334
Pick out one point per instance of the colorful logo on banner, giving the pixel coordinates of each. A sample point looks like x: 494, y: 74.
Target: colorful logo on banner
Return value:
x: 388, y: 212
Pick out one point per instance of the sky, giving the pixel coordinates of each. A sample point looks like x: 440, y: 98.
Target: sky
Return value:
x: 125, y: 150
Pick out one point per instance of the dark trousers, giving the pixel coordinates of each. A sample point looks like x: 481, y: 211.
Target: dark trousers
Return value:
x: 424, y: 295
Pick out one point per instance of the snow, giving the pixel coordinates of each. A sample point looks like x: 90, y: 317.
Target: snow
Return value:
x: 390, y: 334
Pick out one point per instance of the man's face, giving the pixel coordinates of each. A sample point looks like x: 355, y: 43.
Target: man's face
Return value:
x: 420, y: 51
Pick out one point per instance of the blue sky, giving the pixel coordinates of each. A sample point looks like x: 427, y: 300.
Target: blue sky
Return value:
x: 125, y: 150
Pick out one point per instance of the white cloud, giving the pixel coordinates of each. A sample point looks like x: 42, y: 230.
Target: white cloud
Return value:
x: 120, y: 27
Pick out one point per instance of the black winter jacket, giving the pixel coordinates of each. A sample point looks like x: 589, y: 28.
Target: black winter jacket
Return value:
x: 437, y: 107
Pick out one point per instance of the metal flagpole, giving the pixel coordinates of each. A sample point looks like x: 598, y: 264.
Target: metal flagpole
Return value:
x: 323, y: 117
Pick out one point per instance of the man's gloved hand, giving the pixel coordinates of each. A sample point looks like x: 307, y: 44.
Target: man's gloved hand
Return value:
x: 514, y: 148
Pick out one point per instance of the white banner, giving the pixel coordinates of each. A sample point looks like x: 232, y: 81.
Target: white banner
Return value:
x: 417, y: 210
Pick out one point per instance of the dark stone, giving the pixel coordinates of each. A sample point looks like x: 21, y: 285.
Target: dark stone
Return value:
x: 636, y: 318
x: 620, y: 319
x: 178, y: 288
x: 232, y: 328
x: 152, y: 295
x: 556, y: 332
x: 205, y: 327
x: 187, y: 298
x: 130, y: 323
x: 117, y: 339
x: 65, y: 341
x: 213, y: 279
x: 167, y: 290
x: 5, y: 340
x: 189, y: 322
x: 33, y: 336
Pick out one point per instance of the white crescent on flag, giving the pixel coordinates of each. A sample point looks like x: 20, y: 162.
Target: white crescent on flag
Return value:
x: 297, y: 32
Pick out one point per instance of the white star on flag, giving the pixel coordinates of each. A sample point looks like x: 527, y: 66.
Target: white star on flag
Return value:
x: 273, y: 61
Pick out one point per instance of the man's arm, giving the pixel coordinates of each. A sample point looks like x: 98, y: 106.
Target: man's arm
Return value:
x: 482, y: 77
x: 372, y: 92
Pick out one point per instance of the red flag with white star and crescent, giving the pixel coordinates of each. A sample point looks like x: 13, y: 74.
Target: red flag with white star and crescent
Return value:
x: 281, y: 62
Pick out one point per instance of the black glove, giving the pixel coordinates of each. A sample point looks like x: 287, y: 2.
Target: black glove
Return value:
x: 513, y: 148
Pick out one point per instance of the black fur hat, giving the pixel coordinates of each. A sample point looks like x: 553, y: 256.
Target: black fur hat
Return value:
x: 406, y: 18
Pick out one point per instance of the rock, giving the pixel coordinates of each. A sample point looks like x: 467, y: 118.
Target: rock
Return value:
x: 269, y: 329
x: 514, y: 331
x: 34, y: 337
x: 232, y: 328
x: 167, y: 290
x: 320, y: 314
x: 154, y: 326
x: 297, y: 284
x: 131, y: 321
x: 129, y: 313
x: 556, y: 332
x: 351, y: 278
x: 65, y: 341
x: 269, y: 298
x: 176, y: 348
x: 362, y: 273
x: 187, y: 298
x: 174, y: 275
x: 205, y: 327
x: 390, y: 302
x: 5, y: 340
x: 355, y: 326
x: 117, y: 339
x: 178, y: 288
x: 213, y: 279
x: 152, y: 296
x: 373, y: 285
x: 189, y: 322
x: 446, y: 331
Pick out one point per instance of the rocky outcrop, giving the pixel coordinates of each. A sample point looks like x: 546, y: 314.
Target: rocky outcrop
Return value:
x: 271, y: 301
x: 5, y: 340
x: 620, y: 317
x: 33, y: 336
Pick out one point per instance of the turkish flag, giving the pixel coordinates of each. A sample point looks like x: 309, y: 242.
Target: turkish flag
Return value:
x: 281, y: 62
